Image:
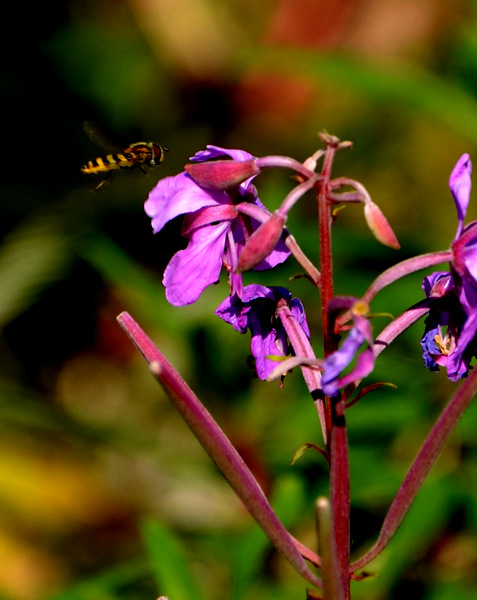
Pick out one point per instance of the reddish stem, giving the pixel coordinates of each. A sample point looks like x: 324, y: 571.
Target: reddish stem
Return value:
x: 219, y: 447
x: 340, y: 493
x: 425, y: 459
x: 338, y: 442
x: 326, y: 266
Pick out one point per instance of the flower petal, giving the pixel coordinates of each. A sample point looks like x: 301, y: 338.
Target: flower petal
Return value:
x: 336, y: 362
x: 265, y: 341
x: 438, y: 284
x: 459, y: 359
x: 460, y: 185
x: 464, y: 249
x: 364, y: 366
x: 234, y: 312
x: 256, y: 310
x: 212, y: 152
x: 191, y: 270
x: 299, y: 313
x: 179, y: 195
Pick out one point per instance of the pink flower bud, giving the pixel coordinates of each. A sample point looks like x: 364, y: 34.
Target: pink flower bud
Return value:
x: 222, y: 174
x: 379, y: 226
x: 261, y: 243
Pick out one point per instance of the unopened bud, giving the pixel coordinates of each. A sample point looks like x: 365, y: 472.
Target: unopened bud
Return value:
x: 261, y: 243
x: 379, y: 226
x: 222, y: 174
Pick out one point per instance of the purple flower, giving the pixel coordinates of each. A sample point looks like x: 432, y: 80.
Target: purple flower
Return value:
x: 336, y: 362
x: 257, y: 311
x: 215, y: 226
x: 450, y: 335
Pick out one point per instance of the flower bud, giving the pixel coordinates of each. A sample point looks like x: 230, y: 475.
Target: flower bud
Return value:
x: 379, y: 226
x: 222, y: 174
x: 261, y: 243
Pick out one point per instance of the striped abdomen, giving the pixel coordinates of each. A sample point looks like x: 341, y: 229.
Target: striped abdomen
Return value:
x: 136, y: 155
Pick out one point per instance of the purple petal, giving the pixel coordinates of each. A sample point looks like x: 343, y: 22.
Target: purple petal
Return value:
x: 430, y: 349
x: 255, y: 291
x: 437, y: 284
x: 336, y: 362
x: 234, y: 312
x: 460, y: 184
x: 299, y: 313
x: 179, y: 195
x: 265, y: 341
x: 464, y: 249
x: 457, y: 366
x: 256, y: 311
x: 364, y: 366
x: 213, y: 152
x: 191, y: 270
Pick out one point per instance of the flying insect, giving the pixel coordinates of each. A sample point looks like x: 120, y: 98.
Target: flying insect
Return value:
x: 136, y: 156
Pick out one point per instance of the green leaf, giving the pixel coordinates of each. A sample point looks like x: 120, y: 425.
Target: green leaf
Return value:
x: 249, y: 551
x: 169, y: 565
x: 33, y: 256
x: 106, y: 585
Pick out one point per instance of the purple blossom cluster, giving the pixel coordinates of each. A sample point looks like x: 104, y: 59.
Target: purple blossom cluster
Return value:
x: 221, y: 216
x: 227, y: 226
x: 449, y: 339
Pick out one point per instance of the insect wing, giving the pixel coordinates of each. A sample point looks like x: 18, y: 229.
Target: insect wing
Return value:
x: 98, y: 137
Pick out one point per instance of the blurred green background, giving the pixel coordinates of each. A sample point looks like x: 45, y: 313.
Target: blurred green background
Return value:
x: 104, y: 493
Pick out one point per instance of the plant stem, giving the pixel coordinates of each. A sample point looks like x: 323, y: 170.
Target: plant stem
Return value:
x: 326, y: 266
x: 340, y: 492
x: 421, y: 466
x: 338, y: 441
x: 219, y: 447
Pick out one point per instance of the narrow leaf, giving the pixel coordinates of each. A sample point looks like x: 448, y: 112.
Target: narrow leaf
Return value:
x: 170, y: 568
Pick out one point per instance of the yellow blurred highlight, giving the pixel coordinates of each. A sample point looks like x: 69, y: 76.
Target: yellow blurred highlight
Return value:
x: 27, y: 573
x: 50, y: 492
x: 195, y: 37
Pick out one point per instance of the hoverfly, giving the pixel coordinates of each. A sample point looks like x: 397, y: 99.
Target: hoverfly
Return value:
x: 135, y: 156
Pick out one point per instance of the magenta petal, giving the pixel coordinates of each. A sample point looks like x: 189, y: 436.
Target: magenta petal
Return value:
x: 262, y: 347
x: 265, y: 341
x: 364, y: 366
x: 465, y: 253
x: 457, y: 367
x: 337, y: 361
x: 191, y: 270
x: 212, y: 152
x: 460, y: 184
x: 179, y: 195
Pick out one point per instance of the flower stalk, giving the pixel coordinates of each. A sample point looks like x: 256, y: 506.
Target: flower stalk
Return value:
x: 420, y: 467
x: 218, y: 446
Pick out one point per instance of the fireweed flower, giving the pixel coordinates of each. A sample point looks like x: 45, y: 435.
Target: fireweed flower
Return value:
x: 256, y: 311
x: 336, y: 362
x: 214, y: 225
x: 449, y: 338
